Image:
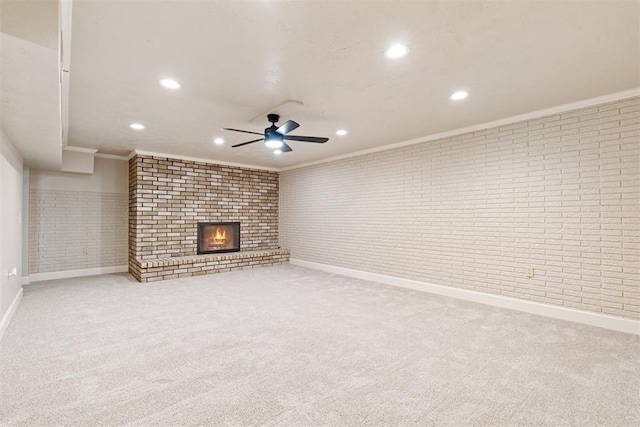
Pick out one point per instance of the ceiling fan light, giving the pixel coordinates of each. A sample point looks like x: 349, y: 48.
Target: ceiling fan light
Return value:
x: 396, y: 51
x: 457, y: 96
x: 273, y: 143
x: 170, y: 83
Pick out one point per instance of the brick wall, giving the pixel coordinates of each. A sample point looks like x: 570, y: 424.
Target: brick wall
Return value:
x: 559, y: 193
x: 74, y: 230
x: 168, y: 197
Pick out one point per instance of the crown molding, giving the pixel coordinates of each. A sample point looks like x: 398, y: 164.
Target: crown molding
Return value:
x: 617, y: 96
x: 198, y: 159
x: 111, y: 156
x: 80, y: 149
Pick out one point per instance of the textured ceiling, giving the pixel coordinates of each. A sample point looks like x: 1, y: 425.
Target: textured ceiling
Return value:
x: 238, y: 59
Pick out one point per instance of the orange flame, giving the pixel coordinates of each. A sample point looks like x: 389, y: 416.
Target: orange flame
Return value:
x: 221, y: 235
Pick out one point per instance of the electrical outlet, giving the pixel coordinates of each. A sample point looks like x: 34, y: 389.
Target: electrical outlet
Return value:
x: 530, y: 272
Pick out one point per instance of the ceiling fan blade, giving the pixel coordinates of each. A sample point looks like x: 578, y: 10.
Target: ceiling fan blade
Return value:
x: 287, y: 127
x: 244, y: 131
x: 285, y: 148
x: 306, y: 138
x: 248, y: 142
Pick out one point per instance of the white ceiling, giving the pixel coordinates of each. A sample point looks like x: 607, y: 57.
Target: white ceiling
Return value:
x: 238, y: 59
x: 29, y: 86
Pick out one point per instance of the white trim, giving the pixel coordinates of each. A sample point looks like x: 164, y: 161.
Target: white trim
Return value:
x: 563, y: 313
x: 6, y: 319
x: 64, y: 49
x: 198, y: 159
x: 474, y: 128
x: 111, y: 156
x: 617, y: 96
x: 447, y: 134
x: 53, y: 275
x: 26, y: 280
x: 80, y: 149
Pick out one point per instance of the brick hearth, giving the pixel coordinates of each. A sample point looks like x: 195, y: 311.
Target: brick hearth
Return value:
x: 168, y: 197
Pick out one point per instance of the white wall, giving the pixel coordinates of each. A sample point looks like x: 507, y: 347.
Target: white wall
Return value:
x: 10, y: 226
x: 110, y: 176
x: 559, y: 193
x: 79, y: 221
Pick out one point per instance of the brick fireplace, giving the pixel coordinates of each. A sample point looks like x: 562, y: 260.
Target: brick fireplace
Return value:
x: 168, y: 198
x: 218, y: 237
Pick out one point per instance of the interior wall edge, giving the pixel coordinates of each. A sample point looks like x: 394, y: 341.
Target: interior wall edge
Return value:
x: 26, y: 179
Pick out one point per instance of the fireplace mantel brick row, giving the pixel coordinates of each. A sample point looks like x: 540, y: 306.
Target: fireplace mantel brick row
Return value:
x: 168, y: 197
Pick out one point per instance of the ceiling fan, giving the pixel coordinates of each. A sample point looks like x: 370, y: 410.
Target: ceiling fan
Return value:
x: 274, y: 136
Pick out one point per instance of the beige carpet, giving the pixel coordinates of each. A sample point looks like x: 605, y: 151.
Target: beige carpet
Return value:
x: 295, y: 347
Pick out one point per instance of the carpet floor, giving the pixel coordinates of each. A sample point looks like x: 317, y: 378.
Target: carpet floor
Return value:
x: 289, y: 346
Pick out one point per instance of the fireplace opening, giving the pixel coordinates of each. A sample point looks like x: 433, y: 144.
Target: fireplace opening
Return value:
x: 215, y: 237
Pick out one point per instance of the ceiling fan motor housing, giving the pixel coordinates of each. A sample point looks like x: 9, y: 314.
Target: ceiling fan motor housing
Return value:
x: 273, y: 118
x: 270, y: 133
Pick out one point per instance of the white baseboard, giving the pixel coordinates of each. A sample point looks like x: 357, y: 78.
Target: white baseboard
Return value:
x: 4, y: 324
x: 563, y: 313
x: 53, y: 275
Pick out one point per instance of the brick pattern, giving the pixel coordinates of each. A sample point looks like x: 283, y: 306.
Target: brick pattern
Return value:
x: 72, y: 230
x: 197, y: 265
x: 559, y: 193
x: 168, y: 197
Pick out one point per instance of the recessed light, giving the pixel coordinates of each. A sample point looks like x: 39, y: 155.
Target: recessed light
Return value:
x: 396, y: 51
x: 461, y: 94
x: 136, y: 126
x: 219, y: 141
x: 170, y: 83
x: 341, y: 132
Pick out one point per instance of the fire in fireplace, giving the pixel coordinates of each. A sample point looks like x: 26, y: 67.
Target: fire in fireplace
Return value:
x: 214, y: 237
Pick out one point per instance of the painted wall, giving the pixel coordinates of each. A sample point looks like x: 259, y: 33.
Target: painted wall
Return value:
x: 78, y: 221
x: 10, y: 224
x: 559, y: 194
